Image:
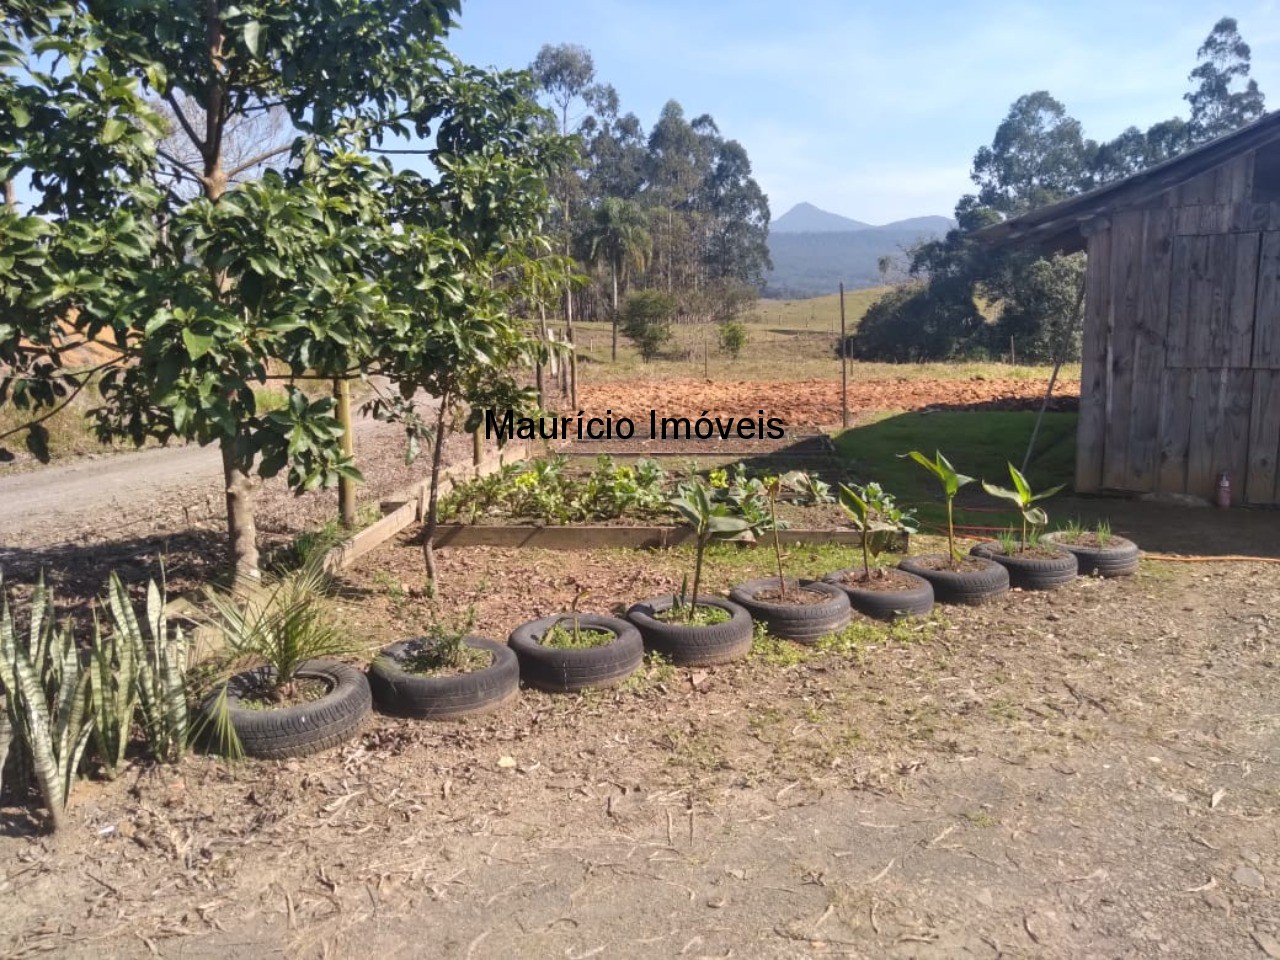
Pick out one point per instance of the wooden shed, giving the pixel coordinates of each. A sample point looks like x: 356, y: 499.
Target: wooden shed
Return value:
x: 1181, y: 356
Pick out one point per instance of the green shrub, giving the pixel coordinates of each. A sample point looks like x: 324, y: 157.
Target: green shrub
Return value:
x: 733, y: 337
x: 646, y: 321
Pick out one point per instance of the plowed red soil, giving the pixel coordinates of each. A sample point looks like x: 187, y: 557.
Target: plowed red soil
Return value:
x: 815, y: 403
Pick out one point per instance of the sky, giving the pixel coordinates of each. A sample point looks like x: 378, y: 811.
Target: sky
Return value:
x: 875, y: 110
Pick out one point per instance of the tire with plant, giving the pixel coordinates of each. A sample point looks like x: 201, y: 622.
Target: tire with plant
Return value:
x: 692, y: 644
x: 568, y: 670
x: 901, y: 595
x: 1118, y: 557
x: 801, y: 622
x: 969, y: 582
x: 401, y: 692
x: 1046, y: 570
x: 299, y: 730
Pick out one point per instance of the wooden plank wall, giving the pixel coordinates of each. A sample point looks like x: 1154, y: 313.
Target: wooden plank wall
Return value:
x: 1181, y: 352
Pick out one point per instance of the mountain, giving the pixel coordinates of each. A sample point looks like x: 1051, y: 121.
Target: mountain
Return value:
x: 813, y: 251
x: 806, y: 218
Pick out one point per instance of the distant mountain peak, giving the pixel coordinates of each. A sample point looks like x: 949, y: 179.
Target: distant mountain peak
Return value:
x: 806, y: 218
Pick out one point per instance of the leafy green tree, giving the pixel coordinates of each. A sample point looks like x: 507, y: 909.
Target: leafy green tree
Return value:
x: 1044, y: 313
x: 1038, y: 156
x: 204, y: 296
x: 1226, y: 97
x: 620, y: 238
x: 646, y: 320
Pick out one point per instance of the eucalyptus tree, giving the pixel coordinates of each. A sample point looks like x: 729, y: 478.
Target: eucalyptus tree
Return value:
x: 204, y: 297
x: 1225, y: 97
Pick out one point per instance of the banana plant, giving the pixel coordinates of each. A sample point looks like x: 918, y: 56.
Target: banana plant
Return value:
x: 951, y: 481
x: 874, y: 513
x: 1025, y: 499
x: 46, y: 688
x: 160, y: 674
x: 710, y: 521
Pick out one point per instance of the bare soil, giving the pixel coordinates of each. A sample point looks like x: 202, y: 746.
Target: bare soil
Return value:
x: 888, y: 580
x: 1089, y: 773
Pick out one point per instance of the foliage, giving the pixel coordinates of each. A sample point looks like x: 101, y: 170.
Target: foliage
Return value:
x: 1024, y: 499
x: 1037, y: 156
x: 710, y: 520
x: 951, y: 481
x: 543, y: 490
x: 917, y: 322
x: 1217, y: 108
x: 280, y: 623
x: 330, y: 264
x: 162, y: 669
x: 646, y: 320
x: 773, y: 488
x: 873, y: 511
x: 1044, y: 313
x: 46, y: 701
x: 113, y: 691
x: 811, y: 490
x: 732, y: 337
x: 444, y: 648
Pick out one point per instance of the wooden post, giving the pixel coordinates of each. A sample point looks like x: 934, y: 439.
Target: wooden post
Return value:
x: 477, y: 448
x: 1013, y: 354
x: 705, y: 375
x: 844, y: 367
x: 346, y: 486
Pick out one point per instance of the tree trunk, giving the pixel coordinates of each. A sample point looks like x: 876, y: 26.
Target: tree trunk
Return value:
x: 242, y: 532
x: 10, y: 196
x: 615, y: 311
x: 433, y: 496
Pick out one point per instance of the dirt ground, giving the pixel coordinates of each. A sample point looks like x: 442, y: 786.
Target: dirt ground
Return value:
x: 1091, y: 773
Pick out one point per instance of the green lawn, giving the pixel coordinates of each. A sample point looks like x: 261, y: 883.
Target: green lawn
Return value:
x: 979, y: 444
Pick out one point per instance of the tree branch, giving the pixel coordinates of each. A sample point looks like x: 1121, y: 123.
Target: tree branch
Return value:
x: 190, y: 171
x: 87, y: 374
x: 183, y: 121
x: 260, y: 158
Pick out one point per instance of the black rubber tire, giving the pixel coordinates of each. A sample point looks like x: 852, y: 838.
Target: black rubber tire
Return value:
x: 568, y: 671
x: 687, y: 645
x: 966, y: 588
x: 916, y: 601
x: 1119, y: 558
x: 305, y: 728
x: 803, y: 623
x: 402, y: 694
x: 1032, y: 573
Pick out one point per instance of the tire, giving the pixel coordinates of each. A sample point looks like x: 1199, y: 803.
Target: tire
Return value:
x: 915, y: 601
x: 400, y: 693
x: 967, y: 588
x: 804, y: 623
x: 1032, y: 573
x: 568, y: 671
x: 1119, y: 558
x: 687, y: 645
x: 305, y: 728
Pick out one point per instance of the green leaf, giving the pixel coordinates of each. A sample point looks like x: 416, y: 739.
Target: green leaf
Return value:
x: 252, y: 36
x: 197, y: 344
x: 1010, y: 495
x: 1020, y: 484
x: 113, y: 130
x: 38, y: 442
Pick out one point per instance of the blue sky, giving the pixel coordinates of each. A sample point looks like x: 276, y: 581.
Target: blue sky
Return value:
x: 874, y: 110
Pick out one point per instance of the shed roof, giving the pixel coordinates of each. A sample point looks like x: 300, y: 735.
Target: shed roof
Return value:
x: 1058, y: 225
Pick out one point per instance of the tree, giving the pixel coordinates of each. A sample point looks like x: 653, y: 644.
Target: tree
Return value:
x: 1043, y: 311
x: 1038, y: 156
x: 204, y: 297
x: 619, y: 237
x: 646, y: 320
x: 1218, y: 103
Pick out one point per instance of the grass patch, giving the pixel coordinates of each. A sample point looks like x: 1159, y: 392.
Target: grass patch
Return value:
x: 978, y: 443
x: 568, y: 637
x: 703, y: 615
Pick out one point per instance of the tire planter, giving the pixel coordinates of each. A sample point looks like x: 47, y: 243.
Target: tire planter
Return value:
x: 568, y: 671
x: 964, y: 587
x: 802, y: 622
x: 401, y: 693
x: 1119, y: 558
x: 690, y: 645
x: 302, y: 729
x: 914, y: 600
x: 1032, y: 573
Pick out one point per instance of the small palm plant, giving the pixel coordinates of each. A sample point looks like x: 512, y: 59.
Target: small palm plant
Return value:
x: 1022, y: 496
x: 710, y: 520
x: 280, y: 624
x: 951, y: 481
x: 875, y: 514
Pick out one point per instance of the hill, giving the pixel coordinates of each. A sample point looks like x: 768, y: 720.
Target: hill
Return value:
x: 813, y: 261
x: 806, y: 218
